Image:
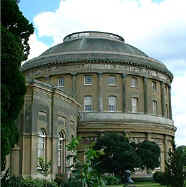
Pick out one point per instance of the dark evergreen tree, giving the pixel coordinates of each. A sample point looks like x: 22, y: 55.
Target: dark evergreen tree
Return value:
x: 149, y: 153
x: 15, y: 32
x: 174, y: 172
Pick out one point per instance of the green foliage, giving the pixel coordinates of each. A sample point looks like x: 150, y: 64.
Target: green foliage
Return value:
x: 149, y: 153
x: 160, y: 177
x: 84, y: 173
x: 44, y: 167
x: 112, y: 180
x: 183, y: 149
x: 15, y: 32
x: 175, y: 167
x: 118, y: 156
x: 27, y: 182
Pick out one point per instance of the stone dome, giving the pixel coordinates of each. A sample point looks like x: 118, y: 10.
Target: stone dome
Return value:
x: 95, y: 47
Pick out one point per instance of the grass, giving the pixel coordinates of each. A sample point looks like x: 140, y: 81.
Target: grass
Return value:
x: 148, y: 184
x: 141, y: 184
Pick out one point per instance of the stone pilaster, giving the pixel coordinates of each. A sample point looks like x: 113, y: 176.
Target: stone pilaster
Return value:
x: 148, y: 136
x: 145, y: 95
x: 162, y: 98
x: 99, y: 92
x: 123, y: 75
x: 166, y: 148
x: 74, y: 84
x: 170, y: 105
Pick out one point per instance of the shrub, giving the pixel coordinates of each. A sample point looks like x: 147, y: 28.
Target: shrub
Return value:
x: 142, y: 179
x: 112, y: 180
x: 160, y: 177
x: 27, y: 182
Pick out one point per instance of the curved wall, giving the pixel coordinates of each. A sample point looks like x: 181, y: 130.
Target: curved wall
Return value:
x: 149, y: 119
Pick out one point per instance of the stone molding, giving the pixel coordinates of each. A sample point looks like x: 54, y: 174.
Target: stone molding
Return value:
x: 124, y: 117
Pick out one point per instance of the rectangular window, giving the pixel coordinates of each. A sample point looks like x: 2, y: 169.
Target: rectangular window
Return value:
x: 154, y: 107
x: 111, y: 103
x: 88, y: 103
x: 133, y: 83
x: 60, y: 82
x: 111, y: 80
x: 134, y: 103
x: 154, y: 86
x: 87, y: 80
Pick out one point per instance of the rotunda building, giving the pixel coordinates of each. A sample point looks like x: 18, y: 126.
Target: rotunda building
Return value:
x: 118, y: 86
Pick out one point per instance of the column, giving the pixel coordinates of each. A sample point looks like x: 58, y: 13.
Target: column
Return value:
x: 74, y: 74
x: 145, y: 95
x: 166, y: 148
x: 124, y: 75
x: 99, y: 92
x: 170, y: 105
x: 148, y: 135
x: 162, y: 99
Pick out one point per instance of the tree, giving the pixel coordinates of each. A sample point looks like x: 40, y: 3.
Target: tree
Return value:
x: 118, y: 156
x: 149, y: 153
x: 15, y: 32
x: 174, y: 172
x: 183, y: 148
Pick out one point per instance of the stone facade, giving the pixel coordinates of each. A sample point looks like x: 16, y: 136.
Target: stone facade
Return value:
x: 139, y: 85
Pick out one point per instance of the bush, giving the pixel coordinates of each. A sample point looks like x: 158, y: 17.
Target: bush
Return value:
x: 160, y: 177
x: 112, y: 180
x: 27, y: 182
x: 142, y: 179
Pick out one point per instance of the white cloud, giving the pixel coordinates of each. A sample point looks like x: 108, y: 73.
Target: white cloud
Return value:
x: 37, y: 47
x: 179, y: 109
x: 156, y: 28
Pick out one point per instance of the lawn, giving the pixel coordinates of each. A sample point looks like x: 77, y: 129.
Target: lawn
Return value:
x: 148, y: 184
x: 141, y: 184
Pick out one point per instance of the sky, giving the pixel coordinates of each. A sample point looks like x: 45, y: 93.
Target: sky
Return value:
x: 157, y: 27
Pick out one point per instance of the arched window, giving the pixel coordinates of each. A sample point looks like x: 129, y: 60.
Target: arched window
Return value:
x: 88, y: 103
x: 112, y: 103
x: 41, y: 143
x: 60, y: 152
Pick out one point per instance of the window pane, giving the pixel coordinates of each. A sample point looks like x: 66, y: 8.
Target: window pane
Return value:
x: 154, y: 107
x: 134, y: 102
x: 133, y: 83
x: 60, y: 82
x: 88, y: 103
x: 154, y: 87
x: 41, y: 143
x: 87, y: 79
x: 111, y: 103
x: 111, y: 80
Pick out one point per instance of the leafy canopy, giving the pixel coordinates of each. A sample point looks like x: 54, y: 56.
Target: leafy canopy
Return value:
x: 15, y: 32
x: 120, y: 154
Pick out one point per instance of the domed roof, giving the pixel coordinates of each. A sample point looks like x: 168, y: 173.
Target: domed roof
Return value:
x: 94, y: 46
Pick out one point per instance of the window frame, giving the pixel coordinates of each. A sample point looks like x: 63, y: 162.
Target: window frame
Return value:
x: 42, y: 144
x: 59, y: 85
x: 154, y: 107
x: 88, y: 82
x: 112, y: 83
x: 134, y: 107
x: 60, y: 151
x: 112, y: 107
x: 133, y: 84
x: 154, y: 86
x: 87, y: 105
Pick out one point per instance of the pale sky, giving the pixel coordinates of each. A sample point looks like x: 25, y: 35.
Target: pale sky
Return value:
x: 157, y: 27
